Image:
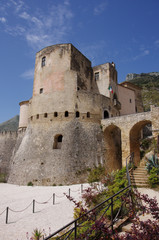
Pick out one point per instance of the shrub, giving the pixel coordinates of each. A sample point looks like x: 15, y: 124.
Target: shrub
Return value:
x: 96, y: 174
x: 30, y: 184
x: 2, y: 178
x: 152, y: 161
x: 154, y: 177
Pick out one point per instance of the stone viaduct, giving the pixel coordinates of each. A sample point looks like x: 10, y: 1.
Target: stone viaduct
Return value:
x: 122, y: 136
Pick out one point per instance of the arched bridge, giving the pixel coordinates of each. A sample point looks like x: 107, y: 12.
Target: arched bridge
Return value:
x: 122, y: 136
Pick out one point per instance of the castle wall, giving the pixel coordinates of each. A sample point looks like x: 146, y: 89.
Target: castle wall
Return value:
x: 36, y: 159
x: 7, y: 144
x: 127, y: 100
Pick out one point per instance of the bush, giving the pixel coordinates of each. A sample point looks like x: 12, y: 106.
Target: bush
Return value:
x: 152, y: 161
x: 154, y: 177
x: 96, y: 174
x: 30, y: 184
x: 3, y: 178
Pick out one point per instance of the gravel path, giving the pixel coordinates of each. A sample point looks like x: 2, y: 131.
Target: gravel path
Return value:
x: 47, y: 216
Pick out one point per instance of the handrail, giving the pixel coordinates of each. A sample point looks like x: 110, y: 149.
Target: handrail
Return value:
x: 130, y: 158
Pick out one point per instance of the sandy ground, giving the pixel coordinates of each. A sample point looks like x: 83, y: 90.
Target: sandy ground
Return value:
x: 47, y: 216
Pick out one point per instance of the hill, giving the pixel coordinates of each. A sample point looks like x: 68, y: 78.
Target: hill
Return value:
x: 10, y: 125
x: 149, y: 82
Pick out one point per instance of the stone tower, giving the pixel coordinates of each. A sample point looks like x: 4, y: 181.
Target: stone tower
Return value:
x: 63, y: 136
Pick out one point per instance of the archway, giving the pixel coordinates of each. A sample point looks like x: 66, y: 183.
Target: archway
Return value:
x: 113, y: 153
x: 135, y: 136
x: 106, y: 114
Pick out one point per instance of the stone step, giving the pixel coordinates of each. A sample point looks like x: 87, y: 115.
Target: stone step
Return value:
x: 139, y: 173
x: 139, y: 182
x: 139, y: 179
x: 145, y: 185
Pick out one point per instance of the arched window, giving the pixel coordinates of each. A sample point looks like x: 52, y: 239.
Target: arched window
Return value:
x: 57, y: 141
x: 88, y: 114
x: 77, y: 114
x: 106, y: 114
x: 55, y: 114
x: 66, y: 114
x: 45, y: 115
x: 37, y: 116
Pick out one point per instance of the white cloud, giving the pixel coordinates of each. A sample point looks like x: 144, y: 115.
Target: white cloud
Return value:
x: 100, y: 7
x: 29, y: 74
x: 157, y: 43
x: 3, y: 19
x: 143, y: 53
x: 24, y: 15
x: 37, y: 27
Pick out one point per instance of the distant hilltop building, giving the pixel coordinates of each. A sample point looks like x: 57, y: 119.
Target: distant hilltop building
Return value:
x: 60, y: 133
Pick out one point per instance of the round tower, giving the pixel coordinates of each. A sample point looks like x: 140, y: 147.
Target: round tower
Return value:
x: 23, y: 118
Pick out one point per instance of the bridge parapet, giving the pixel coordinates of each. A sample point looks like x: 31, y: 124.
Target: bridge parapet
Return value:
x: 125, y: 120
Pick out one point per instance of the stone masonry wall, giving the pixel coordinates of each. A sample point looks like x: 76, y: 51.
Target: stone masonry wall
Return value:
x: 38, y: 162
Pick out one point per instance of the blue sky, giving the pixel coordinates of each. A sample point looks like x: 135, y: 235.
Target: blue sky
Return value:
x: 123, y: 31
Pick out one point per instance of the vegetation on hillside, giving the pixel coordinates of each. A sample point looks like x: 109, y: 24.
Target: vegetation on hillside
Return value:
x: 150, y: 89
x: 10, y: 125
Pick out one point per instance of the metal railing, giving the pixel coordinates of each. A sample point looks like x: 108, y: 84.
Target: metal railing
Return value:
x: 70, y: 231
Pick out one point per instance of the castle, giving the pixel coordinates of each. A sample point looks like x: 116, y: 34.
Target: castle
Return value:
x: 60, y: 133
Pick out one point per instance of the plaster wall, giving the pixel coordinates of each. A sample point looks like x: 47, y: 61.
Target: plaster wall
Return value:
x: 107, y: 77
x: 127, y: 99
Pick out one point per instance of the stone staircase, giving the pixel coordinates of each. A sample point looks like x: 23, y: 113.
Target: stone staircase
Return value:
x: 139, y: 177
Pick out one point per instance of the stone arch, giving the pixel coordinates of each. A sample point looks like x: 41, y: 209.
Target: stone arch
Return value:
x: 105, y: 114
x: 135, y: 136
x: 57, y: 141
x: 113, y: 152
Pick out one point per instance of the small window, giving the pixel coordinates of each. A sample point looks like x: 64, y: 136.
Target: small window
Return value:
x: 96, y: 76
x: 66, y: 114
x: 77, y: 114
x: 57, y: 142
x: 43, y: 62
x: 130, y: 100
x: 31, y: 118
x: 45, y: 115
x: 37, y: 116
x: 78, y: 88
x: 55, y: 114
x: 41, y: 90
x: 88, y: 114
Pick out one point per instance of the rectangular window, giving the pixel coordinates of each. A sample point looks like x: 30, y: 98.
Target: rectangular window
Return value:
x: 96, y: 76
x: 43, y: 62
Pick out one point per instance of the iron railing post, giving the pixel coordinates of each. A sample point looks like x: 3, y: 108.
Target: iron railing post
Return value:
x: 53, y: 198
x: 75, y: 229
x: 112, y: 215
x: 33, y: 206
x: 7, y: 210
